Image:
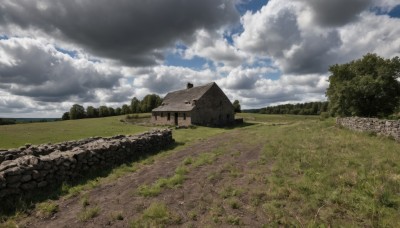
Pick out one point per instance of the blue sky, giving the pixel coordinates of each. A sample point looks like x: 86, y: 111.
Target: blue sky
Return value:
x: 261, y: 53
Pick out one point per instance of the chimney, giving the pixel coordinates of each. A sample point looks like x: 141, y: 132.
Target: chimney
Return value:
x: 189, y: 85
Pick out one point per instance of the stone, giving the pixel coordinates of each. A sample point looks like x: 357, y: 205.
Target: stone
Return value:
x: 26, y: 178
x: 12, y: 171
x: 67, y: 163
x: 9, y: 157
x: 14, y: 185
x: 36, y: 174
x: 42, y: 184
x: 46, y: 165
x: 13, y: 179
x: 9, y: 191
x: 29, y: 185
x: 33, y: 160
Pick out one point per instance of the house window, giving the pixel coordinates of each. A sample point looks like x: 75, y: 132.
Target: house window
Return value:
x: 169, y: 116
x: 184, y: 116
x: 228, y: 117
x: 162, y: 114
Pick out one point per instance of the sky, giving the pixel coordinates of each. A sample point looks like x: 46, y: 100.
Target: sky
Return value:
x: 55, y: 53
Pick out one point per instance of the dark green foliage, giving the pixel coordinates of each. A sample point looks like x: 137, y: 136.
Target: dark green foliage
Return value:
x: 310, y: 108
x: 111, y: 111
x: 103, y: 111
x: 125, y: 109
x: 365, y: 87
x: 76, y: 112
x: 236, y: 106
x: 7, y: 121
x: 65, y: 116
x: 118, y: 111
x: 150, y: 102
x: 91, y: 112
x: 135, y: 105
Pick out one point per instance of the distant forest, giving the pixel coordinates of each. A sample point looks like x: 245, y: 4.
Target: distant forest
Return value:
x: 10, y: 121
x: 148, y: 103
x: 309, y: 108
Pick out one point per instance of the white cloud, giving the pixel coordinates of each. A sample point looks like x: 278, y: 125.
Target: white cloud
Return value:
x: 289, y: 33
x: 38, y: 70
x: 162, y: 79
x: 212, y: 46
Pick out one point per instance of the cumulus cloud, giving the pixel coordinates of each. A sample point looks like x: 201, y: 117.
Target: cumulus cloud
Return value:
x: 301, y: 39
x: 134, y: 32
x: 163, y: 79
x: 212, y: 46
x: 33, y: 69
x: 244, y: 78
x: 337, y: 12
x: 288, y: 88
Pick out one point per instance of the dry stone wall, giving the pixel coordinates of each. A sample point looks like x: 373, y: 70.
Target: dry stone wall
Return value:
x: 389, y: 128
x: 30, y: 168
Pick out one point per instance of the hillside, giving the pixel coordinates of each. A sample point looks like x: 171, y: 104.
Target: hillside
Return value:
x: 274, y: 170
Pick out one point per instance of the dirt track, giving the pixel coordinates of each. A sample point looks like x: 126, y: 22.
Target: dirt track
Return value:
x: 200, y: 201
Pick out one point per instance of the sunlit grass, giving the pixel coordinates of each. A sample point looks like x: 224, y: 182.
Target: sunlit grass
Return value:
x: 12, y: 136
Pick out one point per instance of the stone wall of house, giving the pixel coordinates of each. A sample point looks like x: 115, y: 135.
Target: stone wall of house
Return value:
x: 213, y: 109
x: 29, y: 168
x: 389, y: 128
x: 184, y: 118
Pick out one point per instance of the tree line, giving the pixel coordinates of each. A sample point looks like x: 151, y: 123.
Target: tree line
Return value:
x: 308, y: 108
x: 148, y: 103
x: 7, y: 121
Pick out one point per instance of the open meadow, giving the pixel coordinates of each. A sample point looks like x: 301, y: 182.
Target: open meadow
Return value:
x: 274, y: 170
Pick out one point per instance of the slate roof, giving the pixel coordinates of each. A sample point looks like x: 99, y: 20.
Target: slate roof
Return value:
x: 182, y: 100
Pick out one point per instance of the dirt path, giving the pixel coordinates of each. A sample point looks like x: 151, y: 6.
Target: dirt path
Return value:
x: 211, y: 194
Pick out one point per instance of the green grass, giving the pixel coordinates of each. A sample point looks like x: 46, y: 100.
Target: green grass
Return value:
x: 12, y: 136
x: 309, y: 173
x: 88, y: 213
x: 316, y: 174
x: 46, y: 209
x: 156, y: 215
x: 178, y: 178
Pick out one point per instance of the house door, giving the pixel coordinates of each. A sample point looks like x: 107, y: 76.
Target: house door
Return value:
x: 176, y: 118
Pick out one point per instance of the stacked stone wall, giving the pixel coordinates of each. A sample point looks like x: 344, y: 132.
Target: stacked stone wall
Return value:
x: 30, y: 168
x: 390, y: 128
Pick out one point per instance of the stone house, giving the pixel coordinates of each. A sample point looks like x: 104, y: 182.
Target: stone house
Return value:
x: 205, y: 105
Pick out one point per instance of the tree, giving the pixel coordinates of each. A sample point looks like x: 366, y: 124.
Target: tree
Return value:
x: 91, y: 112
x: 76, y: 112
x: 103, y: 111
x: 111, y: 111
x: 135, y: 105
x: 65, y: 116
x: 118, y: 111
x: 125, y: 109
x: 150, y: 102
x: 236, y: 106
x: 365, y: 87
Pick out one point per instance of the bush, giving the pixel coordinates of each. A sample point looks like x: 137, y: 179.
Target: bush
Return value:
x: 324, y: 116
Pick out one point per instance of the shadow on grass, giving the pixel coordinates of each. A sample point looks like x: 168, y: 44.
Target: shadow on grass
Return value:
x: 18, y: 204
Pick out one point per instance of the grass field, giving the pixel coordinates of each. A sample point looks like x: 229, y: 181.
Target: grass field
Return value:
x: 276, y: 170
x: 12, y: 136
